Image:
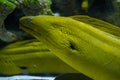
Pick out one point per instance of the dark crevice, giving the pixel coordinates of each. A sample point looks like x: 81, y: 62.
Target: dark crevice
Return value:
x: 23, y: 67
x: 72, y: 46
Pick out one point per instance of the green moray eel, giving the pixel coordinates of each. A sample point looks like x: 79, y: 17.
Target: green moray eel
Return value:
x: 30, y: 56
x: 88, y: 49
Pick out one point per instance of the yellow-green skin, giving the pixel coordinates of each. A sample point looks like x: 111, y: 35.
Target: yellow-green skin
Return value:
x: 102, y: 25
x: 33, y: 56
x: 87, y: 49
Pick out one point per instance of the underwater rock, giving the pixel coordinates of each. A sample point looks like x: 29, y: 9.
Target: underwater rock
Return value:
x: 6, y: 8
x: 36, y: 7
x: 106, y: 10
x: 67, y: 7
x: 27, y: 7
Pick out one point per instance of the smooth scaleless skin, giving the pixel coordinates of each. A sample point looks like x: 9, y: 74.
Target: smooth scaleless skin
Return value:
x: 87, y: 49
x: 29, y: 57
x: 102, y: 25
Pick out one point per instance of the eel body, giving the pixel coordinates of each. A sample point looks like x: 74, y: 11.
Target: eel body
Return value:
x: 88, y: 49
x: 30, y: 57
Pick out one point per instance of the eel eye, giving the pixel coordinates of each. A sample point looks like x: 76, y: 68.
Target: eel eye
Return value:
x: 28, y: 20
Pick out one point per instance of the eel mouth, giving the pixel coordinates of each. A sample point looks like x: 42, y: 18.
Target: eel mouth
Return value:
x: 25, y: 28
x: 30, y: 31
